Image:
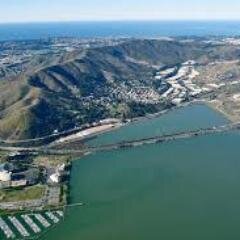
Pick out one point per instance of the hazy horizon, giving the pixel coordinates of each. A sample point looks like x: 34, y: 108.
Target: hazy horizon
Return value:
x: 124, y: 21
x: 27, y: 11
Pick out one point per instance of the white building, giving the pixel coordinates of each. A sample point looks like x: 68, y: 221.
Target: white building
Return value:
x: 55, y: 177
x: 5, y: 175
x: 177, y: 101
x: 61, y: 167
x: 19, y: 183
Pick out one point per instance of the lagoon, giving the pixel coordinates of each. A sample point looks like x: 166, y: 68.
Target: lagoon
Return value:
x: 186, y: 189
x: 191, y: 117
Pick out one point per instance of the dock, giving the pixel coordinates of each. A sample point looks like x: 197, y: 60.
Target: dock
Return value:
x: 28, y: 220
x: 6, y: 229
x: 21, y: 229
x: 60, y: 213
x: 29, y: 225
x: 42, y: 220
x: 52, y: 217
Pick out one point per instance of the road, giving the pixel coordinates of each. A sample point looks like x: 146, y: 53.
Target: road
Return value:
x: 127, y: 144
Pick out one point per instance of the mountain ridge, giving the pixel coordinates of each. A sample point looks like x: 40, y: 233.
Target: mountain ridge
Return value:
x: 83, y: 88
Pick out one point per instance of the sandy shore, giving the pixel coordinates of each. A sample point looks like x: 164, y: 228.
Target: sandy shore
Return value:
x: 215, y: 105
x: 93, y: 131
x: 89, y: 132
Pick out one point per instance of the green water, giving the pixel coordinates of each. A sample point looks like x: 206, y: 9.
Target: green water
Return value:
x: 181, y: 190
x: 191, y: 117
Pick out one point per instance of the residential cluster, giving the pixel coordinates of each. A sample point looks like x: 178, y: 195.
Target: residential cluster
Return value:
x: 177, y: 83
x: 138, y: 94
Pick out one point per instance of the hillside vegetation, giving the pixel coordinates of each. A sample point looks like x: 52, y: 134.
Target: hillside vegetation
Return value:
x: 64, y: 93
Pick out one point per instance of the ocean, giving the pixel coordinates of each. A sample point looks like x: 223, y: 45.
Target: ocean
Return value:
x: 26, y: 31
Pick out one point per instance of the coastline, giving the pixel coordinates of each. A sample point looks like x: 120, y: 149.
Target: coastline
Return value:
x: 113, y: 127
x: 216, y: 108
x: 88, y: 133
x: 68, y: 191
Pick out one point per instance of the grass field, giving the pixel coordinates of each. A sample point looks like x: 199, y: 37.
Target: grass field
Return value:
x: 28, y: 193
x: 51, y: 160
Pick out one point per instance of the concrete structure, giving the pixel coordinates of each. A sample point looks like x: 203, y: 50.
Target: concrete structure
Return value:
x: 55, y: 177
x: 19, y: 183
x: 5, y: 175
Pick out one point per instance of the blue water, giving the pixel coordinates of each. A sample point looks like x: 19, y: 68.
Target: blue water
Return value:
x: 181, y: 119
x: 180, y: 190
x: 118, y: 29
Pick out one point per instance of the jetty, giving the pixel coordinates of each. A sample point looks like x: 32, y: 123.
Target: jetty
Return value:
x: 166, y: 138
x: 48, y: 149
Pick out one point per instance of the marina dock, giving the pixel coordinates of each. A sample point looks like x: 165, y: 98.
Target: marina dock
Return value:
x: 6, y: 229
x: 42, y: 220
x: 31, y: 223
x: 21, y: 229
x: 28, y: 225
x: 60, y: 213
x: 52, y: 217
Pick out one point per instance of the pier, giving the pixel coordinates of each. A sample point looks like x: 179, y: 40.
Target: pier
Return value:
x: 6, y: 229
x: 21, y: 229
x: 42, y: 220
x: 60, y: 213
x: 29, y: 225
x: 52, y: 217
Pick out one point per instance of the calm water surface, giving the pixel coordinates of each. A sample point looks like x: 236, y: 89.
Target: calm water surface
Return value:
x: 186, y: 189
x: 138, y: 29
x: 189, y: 118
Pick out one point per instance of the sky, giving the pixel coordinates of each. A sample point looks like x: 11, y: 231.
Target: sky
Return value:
x: 102, y: 10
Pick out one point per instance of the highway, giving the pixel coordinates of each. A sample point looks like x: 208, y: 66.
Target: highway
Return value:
x: 127, y: 144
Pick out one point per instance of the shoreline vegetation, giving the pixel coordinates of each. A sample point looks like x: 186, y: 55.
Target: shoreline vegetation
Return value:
x: 64, y: 198
x: 168, y: 88
x: 82, y: 136
x: 97, y: 131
